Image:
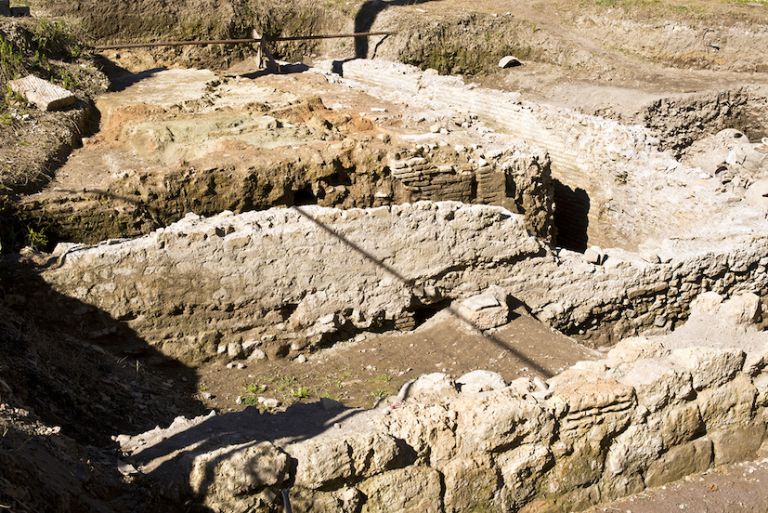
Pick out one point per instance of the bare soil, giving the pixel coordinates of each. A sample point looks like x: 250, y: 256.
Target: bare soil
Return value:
x: 737, y: 488
x: 360, y: 373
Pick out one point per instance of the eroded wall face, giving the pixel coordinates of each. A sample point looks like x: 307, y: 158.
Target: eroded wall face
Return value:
x: 290, y: 280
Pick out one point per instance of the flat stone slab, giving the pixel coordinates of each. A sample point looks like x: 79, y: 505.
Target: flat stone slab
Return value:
x: 45, y: 95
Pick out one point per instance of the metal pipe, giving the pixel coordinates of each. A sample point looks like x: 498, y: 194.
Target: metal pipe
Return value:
x: 248, y: 41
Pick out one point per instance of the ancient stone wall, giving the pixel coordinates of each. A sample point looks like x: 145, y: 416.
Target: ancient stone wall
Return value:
x: 679, y: 121
x: 654, y: 410
x: 619, y: 167
x: 280, y: 279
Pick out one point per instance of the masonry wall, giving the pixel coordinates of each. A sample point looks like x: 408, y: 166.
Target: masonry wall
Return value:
x: 290, y: 280
x: 653, y: 411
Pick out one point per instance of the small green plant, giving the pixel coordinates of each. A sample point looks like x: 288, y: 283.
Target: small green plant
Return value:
x: 37, y: 239
x: 254, y: 388
x: 383, y: 378
x: 53, y: 39
x: 377, y: 395
x: 300, y: 392
x: 250, y: 400
x: 11, y: 61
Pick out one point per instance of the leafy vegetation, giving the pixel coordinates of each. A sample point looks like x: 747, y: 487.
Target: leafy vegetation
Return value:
x: 54, y: 40
x: 11, y: 60
x: 37, y: 239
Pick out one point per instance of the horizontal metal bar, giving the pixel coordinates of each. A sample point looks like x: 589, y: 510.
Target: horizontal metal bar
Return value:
x: 249, y: 41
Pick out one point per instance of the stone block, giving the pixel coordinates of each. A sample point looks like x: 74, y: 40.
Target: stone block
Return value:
x: 737, y: 443
x: 487, y: 310
x: 470, y: 484
x: 480, y: 381
x: 45, y: 95
x: 680, y: 461
x: 411, y: 490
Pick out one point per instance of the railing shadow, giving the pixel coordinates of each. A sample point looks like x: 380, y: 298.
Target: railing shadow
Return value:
x: 410, y: 284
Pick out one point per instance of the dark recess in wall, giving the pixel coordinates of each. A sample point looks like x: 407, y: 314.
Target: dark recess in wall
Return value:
x: 571, y: 217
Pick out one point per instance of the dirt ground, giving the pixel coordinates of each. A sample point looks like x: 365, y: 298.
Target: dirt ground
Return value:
x: 360, y: 373
x: 738, y: 488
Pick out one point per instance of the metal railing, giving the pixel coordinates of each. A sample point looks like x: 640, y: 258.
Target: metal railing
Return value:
x: 248, y: 41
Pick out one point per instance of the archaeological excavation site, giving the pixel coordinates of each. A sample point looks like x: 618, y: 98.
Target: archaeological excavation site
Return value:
x: 383, y: 256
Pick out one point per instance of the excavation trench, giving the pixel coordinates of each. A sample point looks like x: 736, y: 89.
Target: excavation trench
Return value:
x: 380, y: 210
x: 186, y: 141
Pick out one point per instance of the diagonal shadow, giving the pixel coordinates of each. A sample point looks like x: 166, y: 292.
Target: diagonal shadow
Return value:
x: 410, y: 284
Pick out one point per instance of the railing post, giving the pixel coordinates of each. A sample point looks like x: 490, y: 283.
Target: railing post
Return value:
x: 264, y: 57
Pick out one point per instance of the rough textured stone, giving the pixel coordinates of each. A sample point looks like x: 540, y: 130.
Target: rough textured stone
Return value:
x: 605, y: 428
x: 680, y: 461
x: 480, y: 381
x: 470, y: 483
x: 729, y: 404
x: 329, y: 460
x: 709, y: 367
x: 45, y: 95
x: 737, y: 443
x: 412, y: 490
x: 193, y: 271
x: 239, y: 470
x: 487, y: 310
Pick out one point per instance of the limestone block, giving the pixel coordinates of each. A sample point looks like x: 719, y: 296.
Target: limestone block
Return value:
x: 680, y: 461
x: 480, y: 381
x: 436, y: 383
x: 679, y: 423
x: 239, y: 469
x: 321, y: 462
x: 741, y: 310
x: 595, y: 407
x: 521, y: 470
x: 636, y: 348
x: 757, y: 194
x: 761, y: 384
x: 487, y: 310
x: 657, y: 382
x: 729, y: 404
x: 709, y: 366
x: 344, y: 500
x: 494, y: 420
x: 579, y: 469
x: 372, y: 453
x: 737, y: 443
x: 470, y: 483
x: 330, y: 459
x: 45, y: 95
x: 427, y: 428
x: 411, y: 490
x: 633, y: 449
